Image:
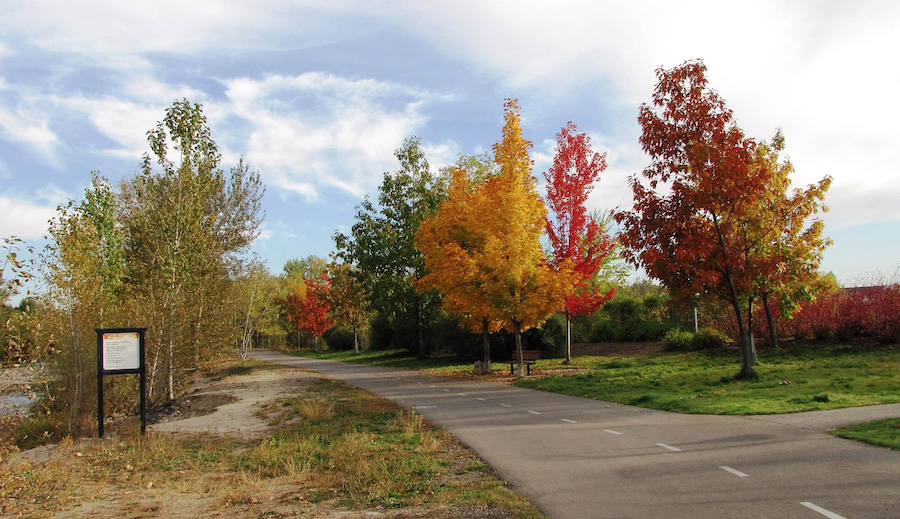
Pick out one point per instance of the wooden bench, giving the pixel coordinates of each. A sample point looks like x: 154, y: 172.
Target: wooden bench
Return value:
x: 528, y: 358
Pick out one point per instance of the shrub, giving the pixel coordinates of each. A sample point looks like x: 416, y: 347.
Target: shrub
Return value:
x: 381, y: 334
x: 678, y: 340
x: 603, y: 331
x: 705, y: 339
x: 448, y: 337
x: 882, y: 316
x: 339, y: 338
x: 710, y: 338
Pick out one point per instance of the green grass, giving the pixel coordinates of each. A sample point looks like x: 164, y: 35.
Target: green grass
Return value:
x: 884, y: 433
x: 794, y: 379
x: 790, y: 380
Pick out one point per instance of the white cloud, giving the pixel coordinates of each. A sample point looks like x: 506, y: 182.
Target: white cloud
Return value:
x: 817, y: 71
x: 29, y: 219
x: 126, y: 118
x: 29, y: 127
x: 117, y: 33
x: 315, y: 129
x: 441, y: 155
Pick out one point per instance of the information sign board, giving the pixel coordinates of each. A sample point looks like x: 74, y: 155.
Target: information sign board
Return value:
x: 121, y: 351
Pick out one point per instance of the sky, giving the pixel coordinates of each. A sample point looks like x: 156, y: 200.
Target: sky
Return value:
x: 317, y: 95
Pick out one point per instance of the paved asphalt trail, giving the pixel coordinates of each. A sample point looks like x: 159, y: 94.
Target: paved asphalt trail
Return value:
x: 581, y: 458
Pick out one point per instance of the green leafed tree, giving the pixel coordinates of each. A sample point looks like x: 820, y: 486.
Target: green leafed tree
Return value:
x: 187, y: 222
x: 381, y: 242
x: 349, y: 300
x: 84, y: 275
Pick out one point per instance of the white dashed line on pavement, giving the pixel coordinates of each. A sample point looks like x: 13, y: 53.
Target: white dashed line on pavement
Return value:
x: 534, y: 412
x: 612, y: 432
x: 506, y: 405
x: 826, y: 513
x: 736, y: 472
x: 481, y: 399
x: 673, y: 449
x: 567, y: 420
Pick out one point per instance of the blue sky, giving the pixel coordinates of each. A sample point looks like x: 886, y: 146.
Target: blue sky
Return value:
x: 316, y: 95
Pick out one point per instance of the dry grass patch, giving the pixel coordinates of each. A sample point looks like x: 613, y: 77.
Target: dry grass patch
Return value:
x: 336, y: 452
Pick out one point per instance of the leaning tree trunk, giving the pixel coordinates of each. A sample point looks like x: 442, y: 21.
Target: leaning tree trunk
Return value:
x: 770, y: 321
x: 568, y: 338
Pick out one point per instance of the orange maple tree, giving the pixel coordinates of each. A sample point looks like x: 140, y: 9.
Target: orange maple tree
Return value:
x: 578, y: 241
x: 714, y: 218
x: 452, y: 244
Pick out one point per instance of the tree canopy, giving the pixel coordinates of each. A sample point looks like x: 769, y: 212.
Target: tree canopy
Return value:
x: 381, y: 242
x: 699, y: 225
x: 578, y: 241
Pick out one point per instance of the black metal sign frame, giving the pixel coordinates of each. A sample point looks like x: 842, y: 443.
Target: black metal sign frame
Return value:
x: 117, y: 358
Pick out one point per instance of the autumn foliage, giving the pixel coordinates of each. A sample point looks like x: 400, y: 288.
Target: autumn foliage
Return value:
x: 579, y: 243
x: 864, y: 312
x: 482, y: 249
x: 715, y: 217
x: 308, y: 306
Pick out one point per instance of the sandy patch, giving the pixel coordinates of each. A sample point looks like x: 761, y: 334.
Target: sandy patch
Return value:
x: 228, y: 406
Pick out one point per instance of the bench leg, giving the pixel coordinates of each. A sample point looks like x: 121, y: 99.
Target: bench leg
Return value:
x: 528, y: 367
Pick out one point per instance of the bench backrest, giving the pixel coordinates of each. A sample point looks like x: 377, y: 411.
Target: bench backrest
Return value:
x: 529, y: 354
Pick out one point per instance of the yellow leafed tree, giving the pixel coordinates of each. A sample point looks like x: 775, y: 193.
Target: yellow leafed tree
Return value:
x: 522, y: 285
x: 482, y: 249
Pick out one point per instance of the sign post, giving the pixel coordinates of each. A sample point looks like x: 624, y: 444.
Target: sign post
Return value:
x: 120, y: 351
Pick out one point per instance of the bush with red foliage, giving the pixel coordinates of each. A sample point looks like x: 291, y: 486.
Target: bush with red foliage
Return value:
x: 872, y: 311
x: 881, y: 319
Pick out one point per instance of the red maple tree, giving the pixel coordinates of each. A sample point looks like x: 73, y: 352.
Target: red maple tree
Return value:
x: 310, y: 309
x: 716, y: 217
x: 578, y: 240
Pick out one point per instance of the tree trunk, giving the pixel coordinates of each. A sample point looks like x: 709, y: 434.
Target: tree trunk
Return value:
x: 773, y: 335
x: 750, y: 329
x: 568, y: 338
x: 487, y: 344
x: 748, y: 351
x: 170, y: 381
x: 517, y: 327
x: 196, y: 336
x: 355, y: 341
x: 419, y: 331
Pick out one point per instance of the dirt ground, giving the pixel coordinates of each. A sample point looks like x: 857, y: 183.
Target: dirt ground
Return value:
x: 226, y: 406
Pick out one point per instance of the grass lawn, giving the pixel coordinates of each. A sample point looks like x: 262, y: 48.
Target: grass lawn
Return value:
x: 791, y: 380
x: 794, y: 379
x: 884, y: 433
